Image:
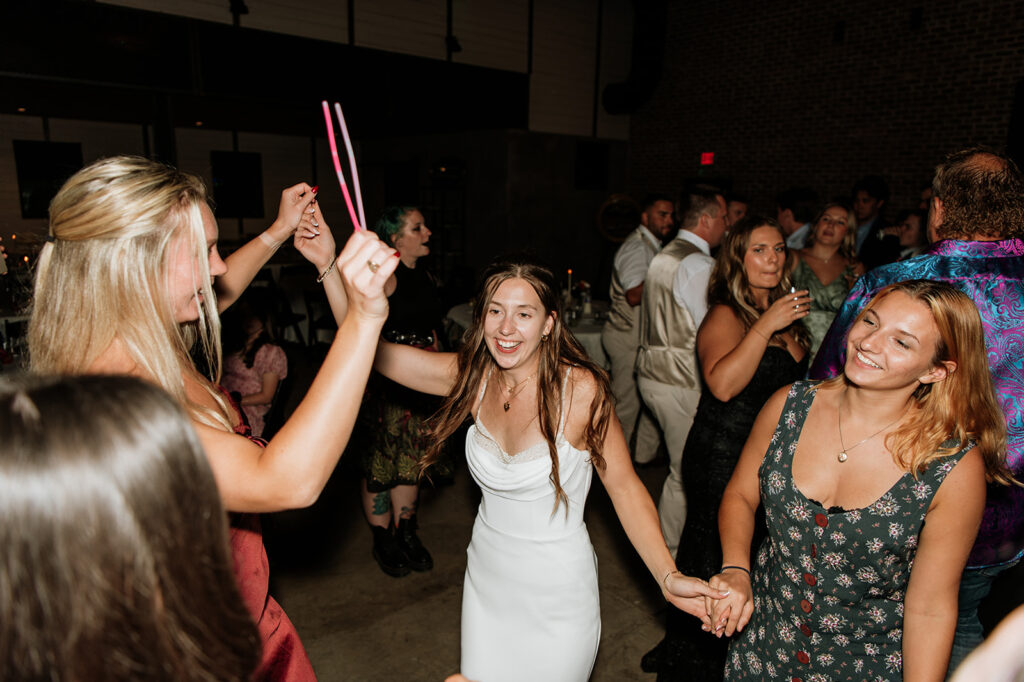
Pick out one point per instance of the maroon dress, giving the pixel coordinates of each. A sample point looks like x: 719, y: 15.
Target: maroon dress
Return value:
x: 284, y: 657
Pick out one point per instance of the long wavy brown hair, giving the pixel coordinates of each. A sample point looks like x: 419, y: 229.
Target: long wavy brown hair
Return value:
x: 559, y: 353
x: 963, y: 406
x: 729, y: 285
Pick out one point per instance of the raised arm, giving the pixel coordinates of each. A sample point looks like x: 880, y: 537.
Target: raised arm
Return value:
x: 293, y: 469
x: 729, y: 355
x: 244, y: 263
x: 736, y: 522
x: 930, y: 611
x: 421, y: 370
x: 633, y: 504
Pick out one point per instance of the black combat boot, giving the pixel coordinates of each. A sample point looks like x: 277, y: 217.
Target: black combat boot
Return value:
x: 417, y: 555
x: 387, y: 550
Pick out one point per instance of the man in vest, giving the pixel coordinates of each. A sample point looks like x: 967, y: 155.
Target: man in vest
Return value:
x: 620, y: 334
x: 674, y: 304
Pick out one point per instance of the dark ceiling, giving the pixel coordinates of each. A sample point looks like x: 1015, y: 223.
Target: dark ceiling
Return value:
x: 83, y: 60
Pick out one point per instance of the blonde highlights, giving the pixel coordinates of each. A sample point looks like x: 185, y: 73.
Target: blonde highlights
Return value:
x: 104, y: 278
x: 962, y: 407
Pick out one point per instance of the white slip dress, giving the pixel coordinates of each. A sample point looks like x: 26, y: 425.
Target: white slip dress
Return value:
x: 530, y: 607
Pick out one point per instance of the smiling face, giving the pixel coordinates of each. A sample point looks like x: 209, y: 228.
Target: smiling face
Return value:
x: 893, y: 345
x: 831, y: 228
x: 185, y: 273
x: 514, y: 322
x: 765, y: 258
x: 411, y: 241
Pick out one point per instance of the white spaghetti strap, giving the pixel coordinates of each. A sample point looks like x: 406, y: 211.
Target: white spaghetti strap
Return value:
x: 561, y: 419
x: 480, y: 396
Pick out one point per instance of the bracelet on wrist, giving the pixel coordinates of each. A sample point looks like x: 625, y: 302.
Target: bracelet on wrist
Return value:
x: 739, y: 568
x: 269, y: 241
x: 664, y: 581
x: 761, y: 334
x: 323, y: 275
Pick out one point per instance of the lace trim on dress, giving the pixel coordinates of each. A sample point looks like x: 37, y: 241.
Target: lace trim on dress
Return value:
x: 483, y: 437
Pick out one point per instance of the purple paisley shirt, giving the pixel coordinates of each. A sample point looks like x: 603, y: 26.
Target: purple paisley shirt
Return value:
x: 992, y: 274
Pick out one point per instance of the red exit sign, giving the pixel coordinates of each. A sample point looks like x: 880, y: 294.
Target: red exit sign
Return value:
x: 707, y: 159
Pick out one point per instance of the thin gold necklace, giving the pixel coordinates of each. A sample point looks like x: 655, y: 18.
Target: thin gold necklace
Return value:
x: 512, y: 395
x: 843, y: 456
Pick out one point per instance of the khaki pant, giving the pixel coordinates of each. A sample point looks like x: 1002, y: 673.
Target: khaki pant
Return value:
x: 621, y: 347
x: 674, y: 408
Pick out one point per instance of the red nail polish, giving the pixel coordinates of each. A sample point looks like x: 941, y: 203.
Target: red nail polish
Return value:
x: 315, y: 188
x: 396, y: 254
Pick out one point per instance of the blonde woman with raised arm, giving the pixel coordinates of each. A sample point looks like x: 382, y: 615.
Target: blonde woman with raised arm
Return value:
x: 131, y: 282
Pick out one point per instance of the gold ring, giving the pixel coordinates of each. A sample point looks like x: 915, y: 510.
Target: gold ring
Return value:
x: 374, y: 267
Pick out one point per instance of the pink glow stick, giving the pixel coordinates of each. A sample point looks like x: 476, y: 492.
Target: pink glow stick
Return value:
x: 351, y: 163
x: 337, y: 166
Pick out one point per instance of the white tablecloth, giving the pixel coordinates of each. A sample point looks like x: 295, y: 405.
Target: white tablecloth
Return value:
x: 587, y: 331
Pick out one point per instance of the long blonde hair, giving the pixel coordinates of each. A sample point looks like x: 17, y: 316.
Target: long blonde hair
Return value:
x: 963, y: 406
x: 104, y: 276
x: 559, y: 353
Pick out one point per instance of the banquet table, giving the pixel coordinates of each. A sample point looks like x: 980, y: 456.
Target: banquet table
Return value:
x: 586, y: 329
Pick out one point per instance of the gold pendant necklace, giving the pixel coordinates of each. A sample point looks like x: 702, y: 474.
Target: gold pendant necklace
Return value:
x: 843, y: 456
x: 511, y: 395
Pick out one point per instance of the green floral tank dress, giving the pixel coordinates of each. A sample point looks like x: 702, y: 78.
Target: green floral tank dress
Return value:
x: 829, y: 583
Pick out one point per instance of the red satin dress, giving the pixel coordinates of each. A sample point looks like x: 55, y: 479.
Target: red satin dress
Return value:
x: 284, y: 657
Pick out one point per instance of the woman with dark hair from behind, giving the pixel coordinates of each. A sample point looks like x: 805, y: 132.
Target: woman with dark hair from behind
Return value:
x: 751, y: 343
x: 105, y: 574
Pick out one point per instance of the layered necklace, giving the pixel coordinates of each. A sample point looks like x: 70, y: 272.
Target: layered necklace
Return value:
x: 515, y: 390
x: 843, y: 456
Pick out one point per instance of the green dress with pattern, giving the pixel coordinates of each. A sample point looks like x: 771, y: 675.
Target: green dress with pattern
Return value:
x: 829, y: 584
x: 825, y: 300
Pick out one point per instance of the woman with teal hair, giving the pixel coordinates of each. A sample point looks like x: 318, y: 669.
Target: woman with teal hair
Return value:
x: 392, y: 418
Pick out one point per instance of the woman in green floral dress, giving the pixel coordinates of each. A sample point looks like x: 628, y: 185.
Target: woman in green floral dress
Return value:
x: 851, y: 583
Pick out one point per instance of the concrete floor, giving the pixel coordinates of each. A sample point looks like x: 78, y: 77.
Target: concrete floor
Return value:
x: 359, y: 624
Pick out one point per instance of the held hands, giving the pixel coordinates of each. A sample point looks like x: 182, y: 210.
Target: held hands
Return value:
x: 784, y: 312
x: 294, y: 202
x: 731, y: 613
x: 365, y: 265
x: 692, y: 595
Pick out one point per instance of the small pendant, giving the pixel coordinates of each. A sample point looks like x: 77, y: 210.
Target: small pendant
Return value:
x: 506, y: 409
x: 842, y: 456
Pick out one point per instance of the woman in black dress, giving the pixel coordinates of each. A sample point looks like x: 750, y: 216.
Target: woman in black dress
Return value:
x: 392, y: 419
x: 750, y: 343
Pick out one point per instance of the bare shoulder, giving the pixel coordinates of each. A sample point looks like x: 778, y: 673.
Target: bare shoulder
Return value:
x: 582, y: 384
x: 721, y: 324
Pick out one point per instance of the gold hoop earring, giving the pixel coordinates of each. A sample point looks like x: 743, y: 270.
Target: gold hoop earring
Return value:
x: 543, y: 338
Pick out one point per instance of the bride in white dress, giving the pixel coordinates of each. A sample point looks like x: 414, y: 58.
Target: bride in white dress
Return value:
x: 543, y: 422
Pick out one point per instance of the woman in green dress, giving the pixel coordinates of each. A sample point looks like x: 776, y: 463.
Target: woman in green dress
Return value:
x: 827, y: 268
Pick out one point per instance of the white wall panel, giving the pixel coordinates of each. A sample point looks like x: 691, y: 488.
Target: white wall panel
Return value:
x: 414, y: 27
x: 492, y: 33
x: 304, y: 18
x: 564, y: 56
x: 207, y: 10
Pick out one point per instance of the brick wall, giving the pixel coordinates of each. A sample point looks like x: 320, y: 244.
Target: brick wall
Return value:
x: 801, y: 92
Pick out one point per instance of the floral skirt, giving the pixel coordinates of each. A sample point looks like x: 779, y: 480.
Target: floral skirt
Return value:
x: 392, y: 436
